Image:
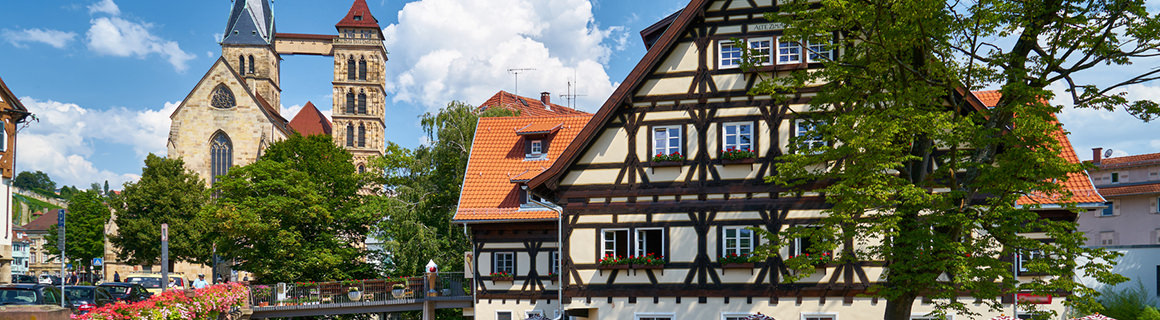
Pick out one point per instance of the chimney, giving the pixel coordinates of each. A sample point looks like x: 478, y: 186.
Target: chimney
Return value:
x: 546, y: 98
x: 1096, y: 155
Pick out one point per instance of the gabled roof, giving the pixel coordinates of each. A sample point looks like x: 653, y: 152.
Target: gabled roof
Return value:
x: 359, y: 16
x: 539, y: 128
x: 251, y: 23
x: 527, y: 107
x: 651, y: 34
x: 497, y: 165
x: 268, y: 110
x: 309, y: 121
x: 44, y: 222
x: 1129, y: 161
x: 1130, y: 189
x: 6, y: 95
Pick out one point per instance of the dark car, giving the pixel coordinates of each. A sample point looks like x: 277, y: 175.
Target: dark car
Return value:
x: 30, y: 294
x: 23, y: 278
x: 124, y: 291
x: 86, y: 298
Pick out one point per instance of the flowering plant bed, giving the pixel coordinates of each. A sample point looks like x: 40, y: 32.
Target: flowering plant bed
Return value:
x: 735, y: 258
x: 206, y: 303
x: 818, y: 260
x: 501, y: 276
x: 737, y: 154
x: 647, y: 262
x: 672, y: 159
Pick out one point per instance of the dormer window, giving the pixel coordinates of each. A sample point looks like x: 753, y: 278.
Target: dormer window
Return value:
x: 535, y: 149
x: 357, y: 18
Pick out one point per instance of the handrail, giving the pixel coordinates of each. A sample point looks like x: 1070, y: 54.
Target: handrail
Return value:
x: 355, y: 292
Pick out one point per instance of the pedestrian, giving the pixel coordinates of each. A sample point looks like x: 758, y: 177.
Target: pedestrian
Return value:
x: 116, y: 277
x: 74, y: 279
x: 200, y: 282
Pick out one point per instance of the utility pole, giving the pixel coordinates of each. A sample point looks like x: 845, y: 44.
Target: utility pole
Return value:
x: 60, y: 244
x: 516, y: 71
x: 164, y: 256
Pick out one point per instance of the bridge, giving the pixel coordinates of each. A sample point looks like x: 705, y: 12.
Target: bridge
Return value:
x: 444, y: 290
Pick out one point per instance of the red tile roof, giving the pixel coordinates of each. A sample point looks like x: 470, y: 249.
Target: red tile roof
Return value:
x: 1129, y: 190
x: 527, y: 107
x: 497, y: 159
x: 309, y: 121
x: 989, y: 97
x: 44, y: 222
x: 539, y: 128
x: 365, y: 19
x: 1130, y: 161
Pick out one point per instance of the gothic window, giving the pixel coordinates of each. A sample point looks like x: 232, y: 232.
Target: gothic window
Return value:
x: 349, y: 135
x: 251, y: 64
x: 221, y: 155
x: 350, y: 68
x: 242, y: 64
x: 362, y: 169
x: 350, y: 102
x: 362, y: 69
x: 362, y: 102
x: 222, y: 97
x: 362, y: 136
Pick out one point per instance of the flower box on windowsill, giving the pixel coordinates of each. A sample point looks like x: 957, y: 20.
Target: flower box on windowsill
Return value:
x: 737, y: 265
x: 612, y: 266
x: 667, y: 163
x: 502, y: 278
x: 738, y: 161
x: 648, y: 266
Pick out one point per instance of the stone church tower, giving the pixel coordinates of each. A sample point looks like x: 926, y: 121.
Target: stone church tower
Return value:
x: 359, y: 85
x: 248, y: 46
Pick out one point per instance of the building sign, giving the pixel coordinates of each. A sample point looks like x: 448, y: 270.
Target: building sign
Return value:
x: 1027, y: 298
x: 766, y: 27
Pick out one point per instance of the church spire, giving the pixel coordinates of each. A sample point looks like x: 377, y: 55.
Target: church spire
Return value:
x: 251, y: 23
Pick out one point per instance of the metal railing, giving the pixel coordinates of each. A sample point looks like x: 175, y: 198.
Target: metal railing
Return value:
x: 373, y: 291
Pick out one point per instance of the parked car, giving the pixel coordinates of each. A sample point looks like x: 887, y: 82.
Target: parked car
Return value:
x: 86, y: 298
x: 23, y: 278
x: 152, y: 281
x: 124, y: 291
x: 31, y: 294
x: 47, y: 279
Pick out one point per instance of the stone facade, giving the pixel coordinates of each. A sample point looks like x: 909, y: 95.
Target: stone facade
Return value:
x: 264, y: 77
x: 353, y: 49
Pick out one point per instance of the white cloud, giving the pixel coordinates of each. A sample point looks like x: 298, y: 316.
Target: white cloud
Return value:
x: 55, y: 38
x: 118, y: 37
x: 105, y: 6
x: 68, y: 135
x: 291, y: 111
x: 443, y: 50
x: 1117, y: 130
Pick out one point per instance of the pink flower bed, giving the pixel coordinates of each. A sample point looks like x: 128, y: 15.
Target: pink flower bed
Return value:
x: 206, y: 303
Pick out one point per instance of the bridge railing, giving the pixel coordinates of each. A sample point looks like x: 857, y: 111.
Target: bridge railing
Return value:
x: 392, y: 290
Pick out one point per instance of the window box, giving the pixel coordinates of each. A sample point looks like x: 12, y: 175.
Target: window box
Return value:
x: 738, y: 161
x: 666, y: 163
x: 737, y: 265
x: 648, y: 266
x: 502, y: 276
x: 612, y: 266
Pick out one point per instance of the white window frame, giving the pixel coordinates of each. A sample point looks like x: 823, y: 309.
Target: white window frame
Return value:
x: 1027, y: 256
x: 495, y: 261
x: 735, y: 315
x: 4, y: 135
x: 812, y: 47
x: 511, y: 315
x: 668, y: 138
x: 554, y: 262
x: 810, y: 144
x: 604, y: 251
x: 789, y: 46
x: 833, y: 316
x: 770, y: 49
x: 536, y: 148
x: 638, y: 249
x: 640, y: 316
x: 531, y: 200
x: 725, y: 250
x: 725, y: 135
x: 797, y: 242
x: 1110, y: 211
x: 721, y: 59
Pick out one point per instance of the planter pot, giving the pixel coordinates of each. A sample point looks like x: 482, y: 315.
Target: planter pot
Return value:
x: 502, y: 279
x: 263, y: 304
x: 666, y: 163
x: 737, y: 265
x: 613, y: 266
x: 399, y: 293
x: 648, y: 266
x: 354, y: 295
x: 738, y: 161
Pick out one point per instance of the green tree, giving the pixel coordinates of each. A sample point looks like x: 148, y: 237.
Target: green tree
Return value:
x: 35, y: 181
x: 423, y: 186
x: 84, y: 231
x: 892, y: 109
x: 291, y: 215
x: 166, y: 193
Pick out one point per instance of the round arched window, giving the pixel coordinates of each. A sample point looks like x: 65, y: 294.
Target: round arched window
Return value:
x: 222, y: 97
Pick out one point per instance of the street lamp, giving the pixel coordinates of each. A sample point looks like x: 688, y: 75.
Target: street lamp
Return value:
x: 559, y: 251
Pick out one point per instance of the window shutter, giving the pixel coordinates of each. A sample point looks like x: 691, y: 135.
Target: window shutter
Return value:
x: 523, y: 195
x: 527, y: 146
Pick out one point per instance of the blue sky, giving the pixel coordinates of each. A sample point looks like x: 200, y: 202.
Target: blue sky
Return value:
x: 104, y: 75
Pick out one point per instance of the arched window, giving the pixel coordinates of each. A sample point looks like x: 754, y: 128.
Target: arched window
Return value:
x: 362, y: 102
x: 221, y: 152
x: 222, y: 97
x: 350, y: 68
x: 362, y: 169
x: 241, y: 64
x: 362, y: 69
x: 362, y: 136
x: 350, y: 102
x: 349, y: 135
x: 251, y: 63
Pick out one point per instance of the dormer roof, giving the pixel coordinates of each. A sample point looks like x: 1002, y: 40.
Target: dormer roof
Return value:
x: 251, y: 23
x: 359, y: 16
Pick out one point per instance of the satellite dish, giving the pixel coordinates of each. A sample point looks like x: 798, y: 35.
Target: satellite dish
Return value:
x: 1108, y: 153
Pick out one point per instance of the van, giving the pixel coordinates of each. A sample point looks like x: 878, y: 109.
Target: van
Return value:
x: 152, y: 281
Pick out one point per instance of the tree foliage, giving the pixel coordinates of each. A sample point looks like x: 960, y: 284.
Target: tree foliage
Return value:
x: 84, y: 231
x: 37, y: 181
x: 292, y: 215
x: 423, y: 188
x: 899, y: 127
x: 166, y: 193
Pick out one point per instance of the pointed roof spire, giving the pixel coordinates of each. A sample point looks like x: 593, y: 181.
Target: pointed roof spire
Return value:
x: 310, y: 121
x: 359, y: 16
x: 251, y: 22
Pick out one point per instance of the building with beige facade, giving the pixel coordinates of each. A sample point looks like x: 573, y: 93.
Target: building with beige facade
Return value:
x: 12, y: 116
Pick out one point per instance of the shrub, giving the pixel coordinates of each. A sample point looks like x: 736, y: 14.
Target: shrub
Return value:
x: 206, y: 303
x: 1127, y: 302
x: 1150, y: 313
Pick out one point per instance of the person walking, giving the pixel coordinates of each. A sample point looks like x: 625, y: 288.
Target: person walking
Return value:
x: 116, y: 276
x: 200, y: 282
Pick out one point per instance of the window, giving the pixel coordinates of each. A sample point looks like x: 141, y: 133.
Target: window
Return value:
x: 810, y: 137
x: 818, y: 49
x: 503, y: 315
x: 349, y: 135
x: 221, y: 152
x: 735, y: 316
x: 350, y: 67
x: 1107, y: 238
x: 653, y: 316
x: 241, y: 64
x: 222, y: 97
x: 530, y: 200
x: 730, y: 54
x: 762, y: 50
x: 3, y: 135
x: 350, y: 102
x: 504, y: 262
x: 1154, y: 205
x: 789, y: 52
x: 802, y: 245
x: 1110, y: 209
x: 1115, y: 177
x: 819, y: 316
x: 251, y: 64
x: 554, y: 263
x: 737, y: 240
x: 362, y: 169
x: 1027, y: 257
x: 536, y: 148
x: 615, y: 243
x: 737, y: 136
x: 650, y: 241
x: 362, y: 69
x: 667, y: 140
x: 362, y: 136
x: 362, y: 102
x: 357, y: 18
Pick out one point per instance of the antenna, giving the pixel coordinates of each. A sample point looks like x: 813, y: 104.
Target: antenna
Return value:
x: 571, y: 94
x: 516, y: 71
x: 1108, y: 153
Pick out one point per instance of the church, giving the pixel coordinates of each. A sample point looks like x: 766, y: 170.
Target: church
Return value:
x: 233, y: 113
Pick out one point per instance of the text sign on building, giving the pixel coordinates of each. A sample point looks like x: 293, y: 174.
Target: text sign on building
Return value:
x: 766, y: 27
x: 1027, y: 298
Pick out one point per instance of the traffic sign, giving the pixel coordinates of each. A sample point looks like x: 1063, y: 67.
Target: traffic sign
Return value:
x: 97, y: 262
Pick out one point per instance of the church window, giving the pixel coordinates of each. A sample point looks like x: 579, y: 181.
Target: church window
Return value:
x: 349, y: 135
x: 362, y: 69
x: 221, y: 155
x: 251, y: 64
x: 350, y: 102
x: 362, y: 102
x: 362, y: 136
x: 350, y: 68
x: 362, y: 169
x: 222, y: 97
x: 242, y: 64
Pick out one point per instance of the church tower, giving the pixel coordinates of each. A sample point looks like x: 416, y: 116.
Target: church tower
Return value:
x: 359, y: 85
x: 248, y: 47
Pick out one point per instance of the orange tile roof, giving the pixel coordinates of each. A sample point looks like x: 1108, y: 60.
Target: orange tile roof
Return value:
x: 539, y: 128
x: 1129, y: 190
x: 497, y: 159
x: 527, y: 107
x: 1129, y: 161
x: 310, y: 121
x: 988, y: 97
